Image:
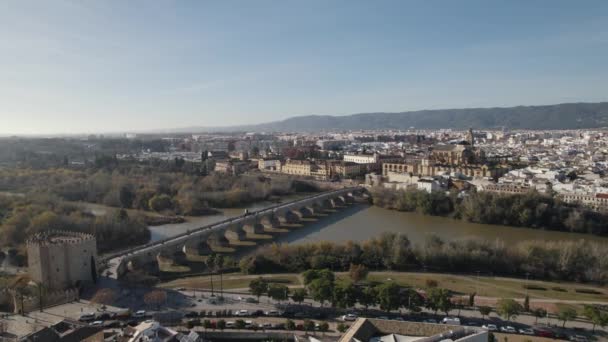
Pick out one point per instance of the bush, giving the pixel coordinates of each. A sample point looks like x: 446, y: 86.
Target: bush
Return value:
x: 431, y: 283
x: 559, y: 289
x: 587, y: 291
x: 534, y: 287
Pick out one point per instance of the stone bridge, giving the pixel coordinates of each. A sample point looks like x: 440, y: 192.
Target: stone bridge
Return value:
x: 200, y: 240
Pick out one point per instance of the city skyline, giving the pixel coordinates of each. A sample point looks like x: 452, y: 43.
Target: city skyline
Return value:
x: 108, y: 67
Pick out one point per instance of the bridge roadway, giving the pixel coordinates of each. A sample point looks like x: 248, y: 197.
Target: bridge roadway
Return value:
x: 117, y: 262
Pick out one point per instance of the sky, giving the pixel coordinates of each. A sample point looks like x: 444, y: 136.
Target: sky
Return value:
x: 115, y: 66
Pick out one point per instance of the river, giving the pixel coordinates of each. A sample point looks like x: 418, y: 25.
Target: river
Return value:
x: 361, y: 222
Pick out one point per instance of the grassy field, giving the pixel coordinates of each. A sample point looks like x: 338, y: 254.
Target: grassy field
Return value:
x: 493, y: 287
x: 232, y: 281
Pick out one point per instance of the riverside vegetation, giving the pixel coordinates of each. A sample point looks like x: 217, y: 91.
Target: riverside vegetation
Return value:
x: 564, y: 260
x: 531, y: 210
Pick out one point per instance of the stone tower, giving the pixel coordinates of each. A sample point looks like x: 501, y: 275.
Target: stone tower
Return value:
x: 61, y: 259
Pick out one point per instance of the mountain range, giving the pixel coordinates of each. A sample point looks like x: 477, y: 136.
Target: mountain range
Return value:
x: 559, y: 116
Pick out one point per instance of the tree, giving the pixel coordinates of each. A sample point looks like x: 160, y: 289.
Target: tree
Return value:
x: 527, y: 303
x: 221, y: 324
x: 484, y: 311
x: 239, y: 324
x: 342, y: 327
x: 344, y: 295
x: 258, y: 287
x: 323, y: 327
x: 278, y: 292
x: 160, y: 202
x: 357, y: 272
x: 389, y: 296
x: 299, y: 295
x: 308, y: 325
x: 431, y: 283
x: 104, y: 296
x: 593, y: 314
x: 207, y: 324
x: 439, y: 300
x: 368, y: 297
x: 155, y: 297
x: 508, y: 308
x: 539, y: 313
x: 290, y: 325
x: 472, y: 299
x: 566, y: 314
x: 126, y: 197
x: 321, y: 290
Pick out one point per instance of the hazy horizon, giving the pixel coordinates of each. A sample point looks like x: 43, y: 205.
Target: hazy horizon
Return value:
x: 104, y: 67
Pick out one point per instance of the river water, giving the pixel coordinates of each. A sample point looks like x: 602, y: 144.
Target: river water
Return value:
x: 361, y: 222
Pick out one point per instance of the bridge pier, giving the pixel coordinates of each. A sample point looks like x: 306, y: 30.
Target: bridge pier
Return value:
x: 253, y: 228
x: 306, y: 212
x: 270, y: 221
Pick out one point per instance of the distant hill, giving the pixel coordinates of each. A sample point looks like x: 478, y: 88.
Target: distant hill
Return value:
x: 560, y: 116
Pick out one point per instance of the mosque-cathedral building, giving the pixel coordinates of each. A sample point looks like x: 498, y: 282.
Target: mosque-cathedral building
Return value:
x: 464, y: 158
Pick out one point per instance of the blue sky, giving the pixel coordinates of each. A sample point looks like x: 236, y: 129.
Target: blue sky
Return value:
x: 94, y: 66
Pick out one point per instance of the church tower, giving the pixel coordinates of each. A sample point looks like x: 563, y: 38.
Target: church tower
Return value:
x: 470, y: 137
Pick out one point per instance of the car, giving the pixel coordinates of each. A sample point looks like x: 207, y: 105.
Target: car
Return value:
x: 382, y: 317
x: 257, y: 313
x: 266, y: 325
x: 248, y: 324
x: 251, y: 300
x: 278, y: 326
x: 272, y: 313
x: 508, y: 329
x: 96, y: 324
x: 527, y: 331
x: 191, y: 314
x: 451, y: 320
x: 490, y: 327
x: 349, y: 317
x: 87, y: 317
x: 181, y: 289
x: 430, y: 320
x: 241, y: 313
x: 578, y: 338
x: 140, y: 314
x: 545, y: 333
x: 230, y: 324
x: 472, y: 324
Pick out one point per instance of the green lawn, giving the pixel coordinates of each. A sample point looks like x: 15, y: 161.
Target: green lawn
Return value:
x: 231, y: 281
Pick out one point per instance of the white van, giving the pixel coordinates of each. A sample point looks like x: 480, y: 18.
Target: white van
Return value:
x: 451, y: 320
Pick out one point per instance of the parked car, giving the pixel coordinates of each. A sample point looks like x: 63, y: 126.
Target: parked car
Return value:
x: 490, y: 327
x: 272, y: 313
x: 230, y: 324
x: 527, y: 331
x: 191, y: 314
x: 251, y: 300
x: 87, y: 317
x: 96, y: 324
x: 508, y: 329
x: 140, y: 314
x: 578, y: 338
x: 257, y: 313
x: 242, y: 313
x: 349, y: 317
x: 451, y: 320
